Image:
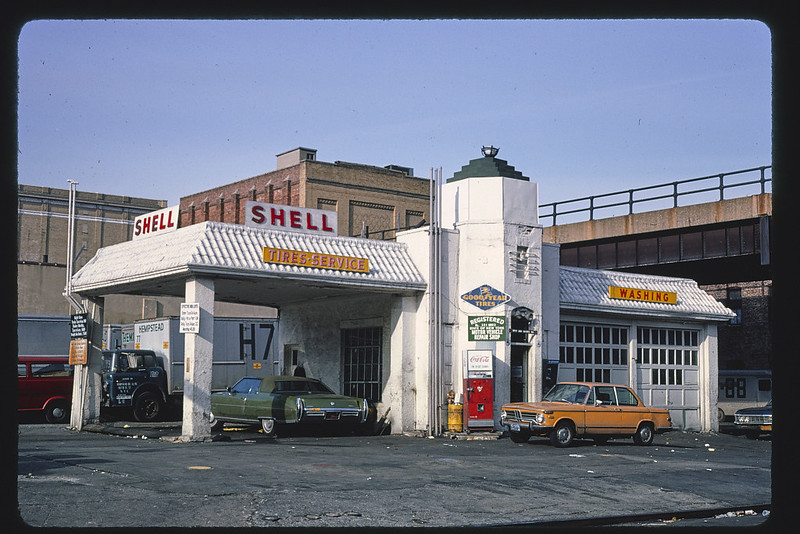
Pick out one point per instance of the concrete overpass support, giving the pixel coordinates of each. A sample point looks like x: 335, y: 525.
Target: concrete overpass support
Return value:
x: 198, y: 350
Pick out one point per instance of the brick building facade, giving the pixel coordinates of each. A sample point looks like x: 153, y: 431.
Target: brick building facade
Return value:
x: 745, y: 342
x: 366, y: 198
x: 42, y: 216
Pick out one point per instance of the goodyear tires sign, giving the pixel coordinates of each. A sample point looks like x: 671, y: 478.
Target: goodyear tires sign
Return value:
x: 485, y: 297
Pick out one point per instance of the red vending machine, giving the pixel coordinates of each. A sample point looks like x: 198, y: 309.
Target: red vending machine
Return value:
x: 479, y: 390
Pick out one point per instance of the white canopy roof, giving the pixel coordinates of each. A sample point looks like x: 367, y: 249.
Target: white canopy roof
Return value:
x: 586, y: 290
x: 233, y: 255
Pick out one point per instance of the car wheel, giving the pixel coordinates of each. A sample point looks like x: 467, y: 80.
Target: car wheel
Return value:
x: 519, y: 437
x: 644, y: 435
x: 56, y: 412
x: 268, y: 427
x: 562, y: 435
x: 146, y: 407
x: 216, y: 424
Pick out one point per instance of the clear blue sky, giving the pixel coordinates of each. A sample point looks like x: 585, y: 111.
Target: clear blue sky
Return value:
x: 163, y: 109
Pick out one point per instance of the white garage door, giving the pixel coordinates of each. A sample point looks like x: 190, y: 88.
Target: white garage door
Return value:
x: 667, y: 368
x: 593, y: 353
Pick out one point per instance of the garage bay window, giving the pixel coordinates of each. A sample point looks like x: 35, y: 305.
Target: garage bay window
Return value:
x: 362, y: 354
x: 593, y: 353
x: 668, y: 354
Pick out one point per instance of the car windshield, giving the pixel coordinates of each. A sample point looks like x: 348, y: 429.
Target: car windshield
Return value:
x: 126, y: 361
x: 247, y: 385
x: 573, y: 393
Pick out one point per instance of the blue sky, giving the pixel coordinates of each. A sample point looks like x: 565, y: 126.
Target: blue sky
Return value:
x: 162, y: 109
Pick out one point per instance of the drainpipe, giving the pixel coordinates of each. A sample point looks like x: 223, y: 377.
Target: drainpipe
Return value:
x: 435, y: 307
x: 68, y: 294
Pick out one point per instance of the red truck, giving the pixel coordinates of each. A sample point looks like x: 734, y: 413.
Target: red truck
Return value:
x: 44, y: 384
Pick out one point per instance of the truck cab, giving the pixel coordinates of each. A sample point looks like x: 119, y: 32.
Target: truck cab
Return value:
x: 135, y: 379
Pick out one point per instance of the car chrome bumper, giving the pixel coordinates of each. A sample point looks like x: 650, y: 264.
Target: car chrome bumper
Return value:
x: 331, y: 414
x: 515, y: 425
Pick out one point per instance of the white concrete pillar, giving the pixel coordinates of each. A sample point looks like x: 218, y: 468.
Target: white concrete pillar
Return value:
x: 87, y: 383
x: 198, y: 349
x: 709, y: 382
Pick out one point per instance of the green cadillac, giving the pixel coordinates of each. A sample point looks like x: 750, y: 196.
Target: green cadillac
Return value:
x: 278, y: 400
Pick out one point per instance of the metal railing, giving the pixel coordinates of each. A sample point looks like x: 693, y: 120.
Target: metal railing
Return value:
x: 393, y: 231
x: 723, y: 182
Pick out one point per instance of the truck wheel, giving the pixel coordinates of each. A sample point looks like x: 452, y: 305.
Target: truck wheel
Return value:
x: 56, y: 412
x: 268, y: 427
x: 562, y: 435
x: 147, y: 407
x: 644, y: 435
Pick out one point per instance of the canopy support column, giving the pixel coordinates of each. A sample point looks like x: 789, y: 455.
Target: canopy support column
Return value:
x: 87, y: 382
x: 198, y: 350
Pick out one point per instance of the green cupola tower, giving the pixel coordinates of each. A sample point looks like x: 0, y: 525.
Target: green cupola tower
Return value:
x: 488, y: 165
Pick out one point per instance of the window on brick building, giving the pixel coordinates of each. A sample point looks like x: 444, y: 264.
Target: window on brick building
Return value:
x: 734, y: 302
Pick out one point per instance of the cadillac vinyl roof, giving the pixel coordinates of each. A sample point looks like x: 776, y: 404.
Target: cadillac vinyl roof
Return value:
x: 232, y: 254
x: 586, y: 290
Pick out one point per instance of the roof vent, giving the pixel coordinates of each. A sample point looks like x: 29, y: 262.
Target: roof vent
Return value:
x: 296, y: 156
x: 408, y: 171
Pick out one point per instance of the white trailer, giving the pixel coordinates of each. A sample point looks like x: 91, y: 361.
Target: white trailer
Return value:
x: 242, y: 346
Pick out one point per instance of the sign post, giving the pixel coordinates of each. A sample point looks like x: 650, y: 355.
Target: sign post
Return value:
x: 78, y: 338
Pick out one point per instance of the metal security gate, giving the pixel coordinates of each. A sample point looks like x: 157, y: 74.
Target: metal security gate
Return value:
x: 668, y: 374
x: 362, y: 356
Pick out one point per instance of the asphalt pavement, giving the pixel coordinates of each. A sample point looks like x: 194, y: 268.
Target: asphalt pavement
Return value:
x: 122, y: 474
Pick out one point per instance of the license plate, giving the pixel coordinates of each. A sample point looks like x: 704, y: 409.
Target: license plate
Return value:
x: 766, y: 427
x: 515, y: 427
x: 332, y: 416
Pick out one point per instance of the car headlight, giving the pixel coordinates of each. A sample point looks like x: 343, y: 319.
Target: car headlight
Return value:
x: 300, y: 409
x: 538, y: 418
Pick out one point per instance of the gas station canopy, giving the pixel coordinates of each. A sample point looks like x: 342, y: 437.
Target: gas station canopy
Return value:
x: 234, y: 256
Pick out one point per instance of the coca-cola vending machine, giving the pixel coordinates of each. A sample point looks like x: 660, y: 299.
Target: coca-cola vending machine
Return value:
x: 479, y: 390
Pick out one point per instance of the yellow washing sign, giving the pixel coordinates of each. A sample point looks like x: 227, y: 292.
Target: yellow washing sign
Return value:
x: 644, y: 295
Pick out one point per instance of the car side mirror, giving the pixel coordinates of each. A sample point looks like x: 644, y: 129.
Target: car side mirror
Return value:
x: 598, y: 402
x: 228, y: 389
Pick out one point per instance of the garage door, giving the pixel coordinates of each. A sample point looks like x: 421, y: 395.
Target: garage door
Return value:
x: 593, y: 353
x: 668, y: 377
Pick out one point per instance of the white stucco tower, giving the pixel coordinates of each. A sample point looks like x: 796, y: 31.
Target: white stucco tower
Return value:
x: 494, y: 211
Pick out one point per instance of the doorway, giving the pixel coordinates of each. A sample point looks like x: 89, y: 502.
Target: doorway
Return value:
x: 520, y: 340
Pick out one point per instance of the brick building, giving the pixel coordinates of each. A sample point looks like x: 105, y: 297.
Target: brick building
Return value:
x: 42, y: 215
x: 368, y: 199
